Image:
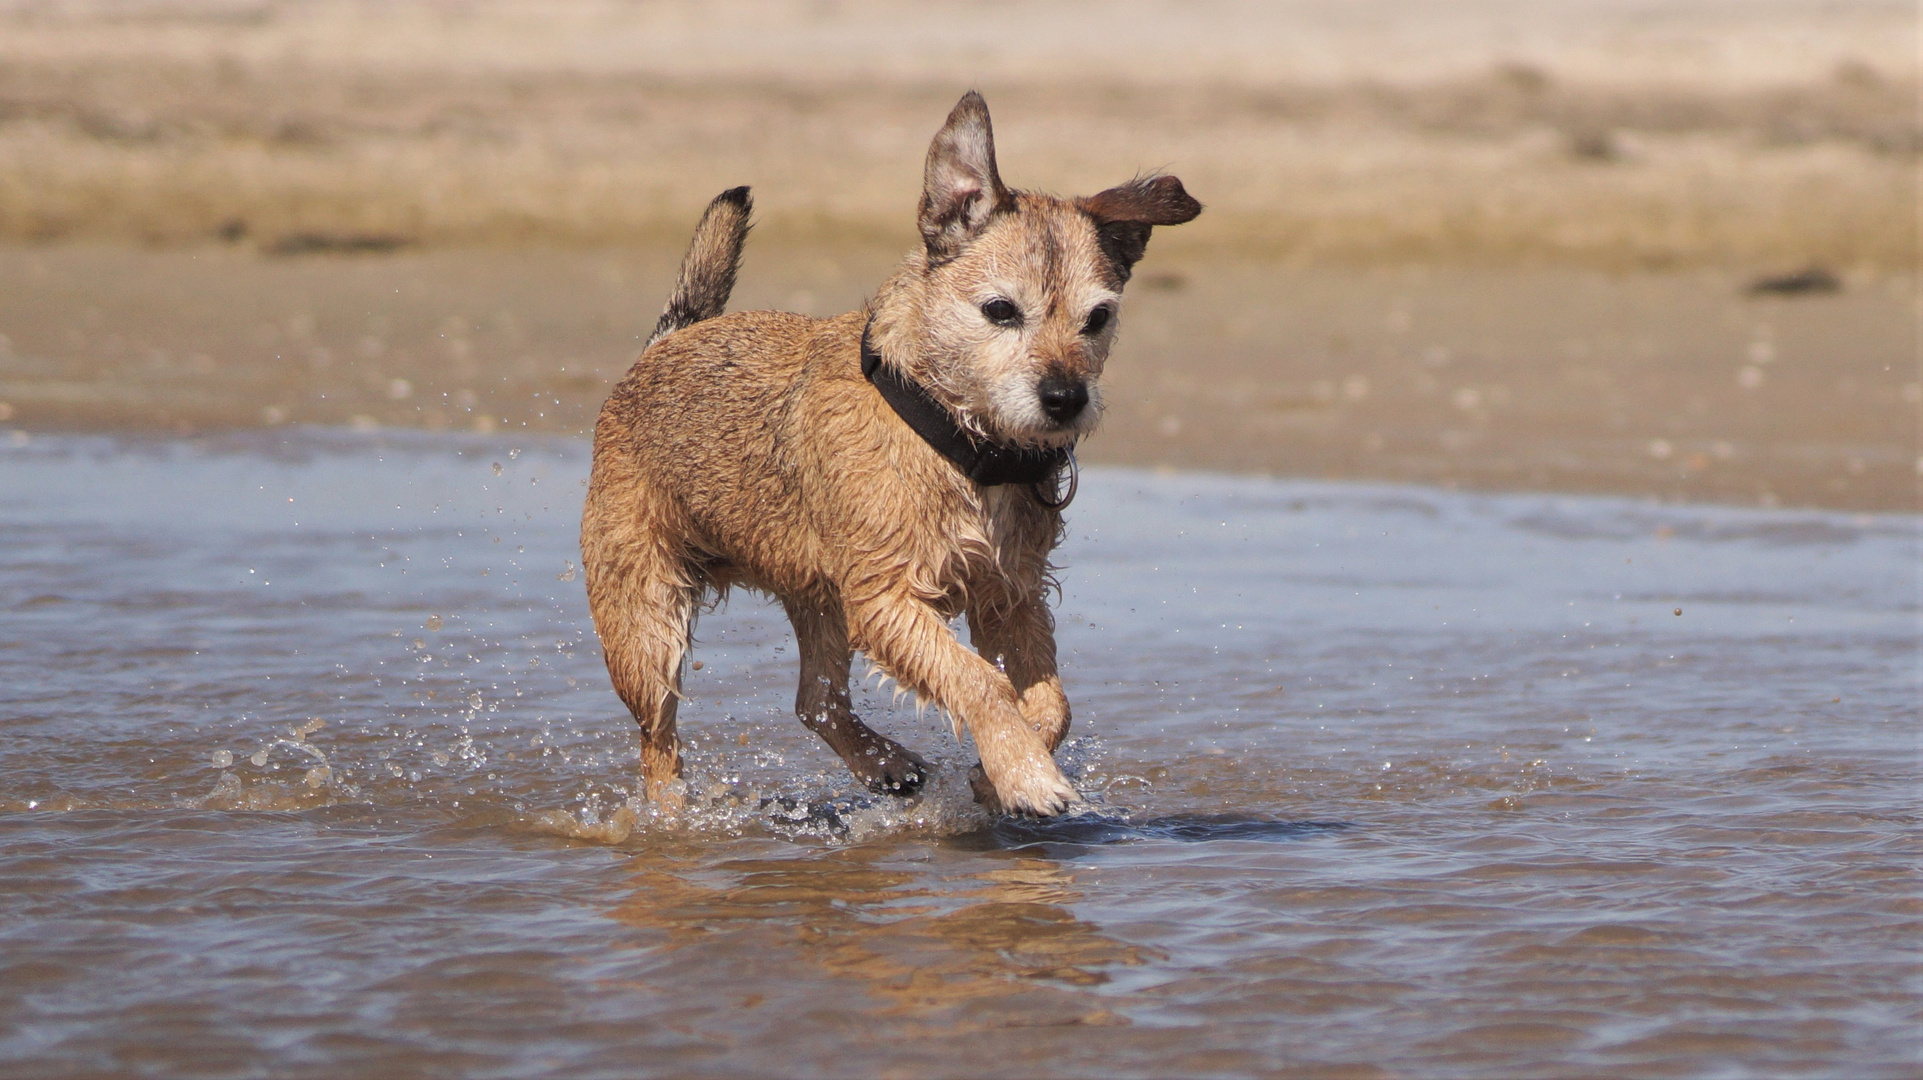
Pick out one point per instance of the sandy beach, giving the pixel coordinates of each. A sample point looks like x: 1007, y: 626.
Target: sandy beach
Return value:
x: 1490, y: 244
x: 1598, y: 131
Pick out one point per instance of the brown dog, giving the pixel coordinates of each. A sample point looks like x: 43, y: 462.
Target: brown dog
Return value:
x: 880, y: 472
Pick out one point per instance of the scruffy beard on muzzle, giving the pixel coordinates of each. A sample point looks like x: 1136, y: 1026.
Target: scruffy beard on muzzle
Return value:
x: 1014, y: 413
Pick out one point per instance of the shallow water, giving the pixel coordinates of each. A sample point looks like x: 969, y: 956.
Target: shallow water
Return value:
x: 312, y: 770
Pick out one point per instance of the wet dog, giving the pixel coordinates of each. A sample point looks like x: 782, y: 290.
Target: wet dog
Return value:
x: 880, y: 472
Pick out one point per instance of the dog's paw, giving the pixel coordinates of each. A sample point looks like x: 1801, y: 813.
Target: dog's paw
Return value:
x: 985, y: 794
x: 1040, y: 791
x: 887, y: 767
x: 900, y: 775
x: 670, y: 797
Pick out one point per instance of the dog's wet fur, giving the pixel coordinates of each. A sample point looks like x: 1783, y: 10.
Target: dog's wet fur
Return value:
x: 749, y: 450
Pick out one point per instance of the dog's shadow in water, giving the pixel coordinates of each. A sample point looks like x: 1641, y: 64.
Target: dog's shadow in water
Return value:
x: 1080, y: 833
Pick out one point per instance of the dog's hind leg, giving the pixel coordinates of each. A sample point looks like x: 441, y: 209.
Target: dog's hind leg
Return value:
x: 1020, y: 640
x: 643, y: 602
x: 821, y: 701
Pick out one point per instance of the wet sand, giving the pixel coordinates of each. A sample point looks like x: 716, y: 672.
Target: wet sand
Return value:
x: 1679, y: 385
x: 312, y: 770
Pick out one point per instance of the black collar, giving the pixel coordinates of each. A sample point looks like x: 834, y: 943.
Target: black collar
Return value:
x: 984, y: 462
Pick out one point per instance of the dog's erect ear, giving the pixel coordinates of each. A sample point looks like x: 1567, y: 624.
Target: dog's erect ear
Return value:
x: 960, y: 188
x: 1126, y: 214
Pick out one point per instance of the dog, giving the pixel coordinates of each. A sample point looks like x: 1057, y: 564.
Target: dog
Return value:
x: 879, y: 472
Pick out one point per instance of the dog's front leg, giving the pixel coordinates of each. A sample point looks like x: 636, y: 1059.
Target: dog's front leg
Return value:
x: 1020, y: 640
x: 912, y: 643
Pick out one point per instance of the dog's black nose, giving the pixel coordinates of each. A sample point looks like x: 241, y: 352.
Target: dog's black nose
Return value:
x: 1063, y: 399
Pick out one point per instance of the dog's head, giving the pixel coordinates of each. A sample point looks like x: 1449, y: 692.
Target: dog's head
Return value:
x: 1015, y: 297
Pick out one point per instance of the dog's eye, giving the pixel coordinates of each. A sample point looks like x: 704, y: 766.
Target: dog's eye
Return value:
x: 1096, y: 320
x: 1002, y: 313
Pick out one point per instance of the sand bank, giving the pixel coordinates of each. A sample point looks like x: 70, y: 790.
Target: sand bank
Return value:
x: 1588, y: 131
x: 1677, y: 384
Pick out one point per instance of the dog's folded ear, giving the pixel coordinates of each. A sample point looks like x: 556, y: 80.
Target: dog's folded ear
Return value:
x: 1125, y: 215
x: 961, y: 190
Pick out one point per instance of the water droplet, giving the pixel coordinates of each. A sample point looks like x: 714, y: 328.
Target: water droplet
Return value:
x: 433, y: 622
x: 497, y: 468
x: 223, y: 758
x: 259, y: 758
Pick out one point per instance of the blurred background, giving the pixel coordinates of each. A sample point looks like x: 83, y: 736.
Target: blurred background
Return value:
x: 1664, y: 249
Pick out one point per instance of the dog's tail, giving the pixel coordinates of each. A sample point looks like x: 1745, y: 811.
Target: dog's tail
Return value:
x: 708, y: 269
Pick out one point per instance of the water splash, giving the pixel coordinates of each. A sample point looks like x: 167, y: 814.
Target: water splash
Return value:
x: 320, y: 783
x: 719, y: 800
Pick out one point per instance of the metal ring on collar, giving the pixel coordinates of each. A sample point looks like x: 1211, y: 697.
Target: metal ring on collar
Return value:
x: 1074, y: 480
